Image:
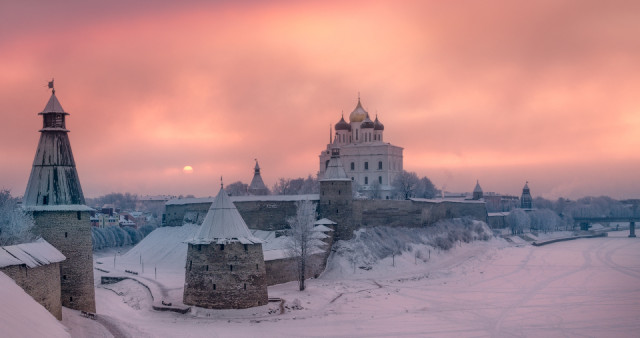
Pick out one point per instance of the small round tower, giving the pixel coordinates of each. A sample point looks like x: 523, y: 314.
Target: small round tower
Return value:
x: 225, y: 266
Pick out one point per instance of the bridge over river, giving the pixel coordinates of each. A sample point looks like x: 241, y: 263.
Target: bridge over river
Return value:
x: 586, y: 221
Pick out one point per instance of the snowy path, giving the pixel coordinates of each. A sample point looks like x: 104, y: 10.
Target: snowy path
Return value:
x: 586, y: 287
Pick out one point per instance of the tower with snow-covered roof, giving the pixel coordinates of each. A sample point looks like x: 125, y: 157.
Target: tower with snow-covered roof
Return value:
x: 54, y: 197
x: 336, y: 196
x: 225, y: 266
x: 257, y: 186
x: 369, y: 162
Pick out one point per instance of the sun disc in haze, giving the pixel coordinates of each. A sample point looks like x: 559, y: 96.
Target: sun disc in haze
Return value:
x: 187, y: 169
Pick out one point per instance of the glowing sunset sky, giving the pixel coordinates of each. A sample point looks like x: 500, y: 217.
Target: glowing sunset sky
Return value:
x: 500, y: 91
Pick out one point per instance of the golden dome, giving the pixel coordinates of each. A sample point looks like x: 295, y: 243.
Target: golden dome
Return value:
x: 358, y: 114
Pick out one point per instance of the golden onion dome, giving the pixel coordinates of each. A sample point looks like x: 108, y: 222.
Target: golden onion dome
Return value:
x: 358, y: 114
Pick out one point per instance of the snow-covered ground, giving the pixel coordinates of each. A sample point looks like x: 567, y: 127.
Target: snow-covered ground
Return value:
x: 586, y: 287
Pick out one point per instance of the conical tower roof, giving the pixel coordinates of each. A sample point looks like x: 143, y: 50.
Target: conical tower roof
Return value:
x: 54, y: 183
x: 223, y: 224
x: 257, y: 186
x: 477, y: 188
x: 335, y: 170
x: 53, y: 105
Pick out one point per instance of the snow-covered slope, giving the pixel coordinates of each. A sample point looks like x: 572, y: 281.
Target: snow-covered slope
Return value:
x: 22, y: 316
x: 163, y: 248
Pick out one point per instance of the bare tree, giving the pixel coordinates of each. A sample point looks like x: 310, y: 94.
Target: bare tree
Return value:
x: 282, y: 187
x: 405, y: 184
x: 237, y: 189
x: 301, y: 239
x: 15, y: 223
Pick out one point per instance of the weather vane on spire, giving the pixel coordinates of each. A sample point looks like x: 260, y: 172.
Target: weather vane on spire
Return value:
x: 53, y: 91
x: 221, y: 184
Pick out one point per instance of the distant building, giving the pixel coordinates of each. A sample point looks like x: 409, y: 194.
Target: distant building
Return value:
x: 369, y: 162
x: 225, y: 266
x: 257, y: 186
x: 526, y: 202
x: 54, y: 197
x: 477, y: 192
x: 499, y: 202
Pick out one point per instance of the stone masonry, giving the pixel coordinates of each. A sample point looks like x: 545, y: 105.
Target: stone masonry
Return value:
x: 225, y: 276
x: 70, y: 233
x: 42, y: 283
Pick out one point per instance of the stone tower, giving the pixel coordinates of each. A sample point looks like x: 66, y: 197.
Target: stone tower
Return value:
x: 54, y: 198
x: 257, y: 186
x: 225, y: 266
x: 336, y: 197
x: 477, y: 192
x: 526, y: 202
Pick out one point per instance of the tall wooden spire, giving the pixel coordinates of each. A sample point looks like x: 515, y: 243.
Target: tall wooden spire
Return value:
x: 54, y: 179
x: 54, y: 198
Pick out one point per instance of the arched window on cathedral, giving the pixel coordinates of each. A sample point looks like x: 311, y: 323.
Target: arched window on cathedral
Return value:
x: 379, y: 165
x: 353, y: 166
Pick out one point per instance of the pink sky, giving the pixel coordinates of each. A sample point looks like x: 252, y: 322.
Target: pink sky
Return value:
x: 500, y: 91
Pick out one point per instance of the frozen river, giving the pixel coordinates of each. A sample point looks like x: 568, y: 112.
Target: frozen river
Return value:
x: 586, y: 287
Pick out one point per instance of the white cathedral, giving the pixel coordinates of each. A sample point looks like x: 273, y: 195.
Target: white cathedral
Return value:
x: 371, y: 163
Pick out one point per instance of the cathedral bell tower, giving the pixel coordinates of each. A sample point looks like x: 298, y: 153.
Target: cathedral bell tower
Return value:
x: 54, y: 198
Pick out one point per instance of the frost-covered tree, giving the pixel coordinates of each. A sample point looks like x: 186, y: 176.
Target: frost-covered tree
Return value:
x: 545, y: 220
x: 426, y: 189
x: 518, y: 220
x: 15, y: 223
x: 405, y: 184
x: 237, y: 189
x: 301, y: 240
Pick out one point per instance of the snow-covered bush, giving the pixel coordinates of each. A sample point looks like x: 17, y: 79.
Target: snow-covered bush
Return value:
x: 373, y: 244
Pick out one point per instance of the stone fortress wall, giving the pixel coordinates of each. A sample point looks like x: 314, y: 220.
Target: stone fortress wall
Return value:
x: 70, y: 233
x: 42, y: 283
x: 272, y: 214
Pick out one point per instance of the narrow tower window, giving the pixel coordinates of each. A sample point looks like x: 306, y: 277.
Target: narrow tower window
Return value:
x: 379, y: 165
x: 45, y: 200
x: 246, y: 247
x: 353, y: 166
x: 79, y: 215
x: 366, y: 180
x: 230, y: 267
x: 366, y: 165
x: 214, y: 286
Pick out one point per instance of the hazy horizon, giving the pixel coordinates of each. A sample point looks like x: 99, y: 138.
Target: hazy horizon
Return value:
x: 495, y: 91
